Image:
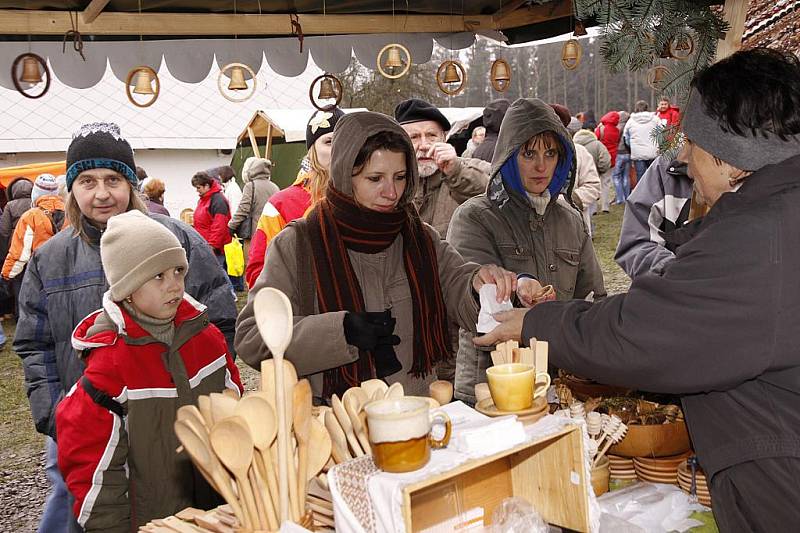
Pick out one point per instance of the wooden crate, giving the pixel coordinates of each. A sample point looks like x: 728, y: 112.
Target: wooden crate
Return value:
x: 548, y: 473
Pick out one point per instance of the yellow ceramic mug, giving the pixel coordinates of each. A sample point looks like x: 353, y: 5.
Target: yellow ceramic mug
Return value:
x: 514, y: 386
x: 400, y: 433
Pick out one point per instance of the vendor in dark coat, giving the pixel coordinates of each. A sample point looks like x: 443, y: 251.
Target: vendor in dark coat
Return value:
x: 721, y: 324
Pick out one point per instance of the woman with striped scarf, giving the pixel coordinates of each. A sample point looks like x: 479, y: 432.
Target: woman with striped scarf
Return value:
x: 373, y: 288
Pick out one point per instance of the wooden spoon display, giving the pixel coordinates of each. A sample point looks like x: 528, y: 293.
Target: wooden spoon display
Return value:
x: 275, y: 322
x: 372, y: 385
x: 301, y: 416
x: 231, y: 441
x: 353, y: 407
x: 202, y: 456
x: 338, y: 438
x: 346, y: 425
x: 222, y: 406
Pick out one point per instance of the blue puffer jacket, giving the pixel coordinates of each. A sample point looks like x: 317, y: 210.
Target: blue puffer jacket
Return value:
x: 65, y: 282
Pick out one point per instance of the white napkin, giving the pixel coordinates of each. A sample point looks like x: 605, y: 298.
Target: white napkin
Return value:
x: 489, y: 306
x: 485, y: 437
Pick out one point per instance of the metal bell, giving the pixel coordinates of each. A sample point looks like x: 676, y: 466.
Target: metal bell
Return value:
x: 326, y: 90
x: 30, y: 71
x: 237, y: 80
x: 571, y: 54
x: 143, y: 82
x: 501, y: 72
x: 393, y: 59
x: 451, y: 74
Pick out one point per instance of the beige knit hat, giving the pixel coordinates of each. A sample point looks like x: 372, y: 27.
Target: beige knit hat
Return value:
x: 134, y: 248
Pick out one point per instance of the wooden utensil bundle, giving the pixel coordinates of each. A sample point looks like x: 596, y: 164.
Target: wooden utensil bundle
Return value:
x: 510, y: 352
x: 603, y: 430
x: 233, y: 444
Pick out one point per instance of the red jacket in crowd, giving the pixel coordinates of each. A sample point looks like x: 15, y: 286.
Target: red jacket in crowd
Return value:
x: 608, y: 133
x: 211, y: 218
x: 670, y: 116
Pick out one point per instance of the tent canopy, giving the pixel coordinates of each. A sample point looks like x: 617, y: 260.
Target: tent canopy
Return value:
x: 8, y: 174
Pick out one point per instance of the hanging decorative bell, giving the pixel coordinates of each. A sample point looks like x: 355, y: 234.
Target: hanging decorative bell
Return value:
x: 451, y: 74
x: 666, y: 53
x: 393, y: 58
x: 501, y: 72
x: 571, y: 54
x: 326, y: 90
x: 500, y: 75
x: 143, y: 83
x: 237, y: 80
x: 30, y: 71
x: 580, y: 29
x: 656, y: 75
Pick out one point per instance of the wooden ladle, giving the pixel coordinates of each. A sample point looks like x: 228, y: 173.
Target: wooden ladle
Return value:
x: 275, y: 322
x: 208, y: 463
x: 260, y: 419
x: 269, y: 386
x: 233, y: 444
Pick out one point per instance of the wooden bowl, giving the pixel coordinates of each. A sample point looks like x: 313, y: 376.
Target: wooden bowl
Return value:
x: 657, y: 440
x: 600, y: 477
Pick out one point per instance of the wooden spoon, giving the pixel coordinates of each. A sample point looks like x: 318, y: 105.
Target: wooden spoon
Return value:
x: 371, y: 385
x: 260, y: 419
x: 204, y: 406
x: 231, y: 441
x: 320, y: 451
x: 275, y: 322
x: 353, y: 407
x: 301, y: 417
x: 338, y: 438
x: 222, y: 406
x: 394, y: 391
x: 441, y: 391
x: 269, y: 379
x: 207, y: 462
x: 347, y: 426
x: 190, y: 411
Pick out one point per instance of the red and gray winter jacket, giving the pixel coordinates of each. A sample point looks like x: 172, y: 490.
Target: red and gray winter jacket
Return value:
x: 211, y: 218
x: 116, y: 443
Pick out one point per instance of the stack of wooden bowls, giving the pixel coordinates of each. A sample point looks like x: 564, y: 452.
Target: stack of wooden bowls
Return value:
x: 621, y: 469
x: 660, y: 470
x: 685, y: 483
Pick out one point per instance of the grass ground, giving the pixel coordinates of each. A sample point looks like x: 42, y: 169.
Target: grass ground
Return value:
x: 21, y: 449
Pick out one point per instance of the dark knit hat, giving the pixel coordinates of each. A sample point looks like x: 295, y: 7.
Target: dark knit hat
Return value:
x: 320, y: 123
x: 563, y: 113
x: 100, y: 145
x: 415, y: 110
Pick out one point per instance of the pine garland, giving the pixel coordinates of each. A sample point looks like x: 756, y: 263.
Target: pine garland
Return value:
x: 635, y: 32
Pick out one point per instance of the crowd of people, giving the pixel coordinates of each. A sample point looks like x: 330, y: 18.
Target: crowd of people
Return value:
x: 383, y: 243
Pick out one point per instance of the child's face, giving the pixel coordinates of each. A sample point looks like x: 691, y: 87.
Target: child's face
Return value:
x: 160, y: 296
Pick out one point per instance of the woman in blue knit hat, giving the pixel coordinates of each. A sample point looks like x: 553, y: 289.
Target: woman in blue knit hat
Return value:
x: 526, y: 223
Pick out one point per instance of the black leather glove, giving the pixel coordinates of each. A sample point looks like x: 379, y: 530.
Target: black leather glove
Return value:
x: 386, y: 361
x: 363, y: 330
x: 232, y: 232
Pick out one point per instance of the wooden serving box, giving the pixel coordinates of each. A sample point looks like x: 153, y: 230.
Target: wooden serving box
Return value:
x: 549, y: 473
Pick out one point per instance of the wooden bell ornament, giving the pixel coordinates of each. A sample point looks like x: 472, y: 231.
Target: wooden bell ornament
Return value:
x: 451, y: 72
x: 571, y: 54
x: 143, y: 84
x: 394, y: 61
x: 500, y: 75
x: 656, y: 75
x: 34, y: 72
x: 329, y: 88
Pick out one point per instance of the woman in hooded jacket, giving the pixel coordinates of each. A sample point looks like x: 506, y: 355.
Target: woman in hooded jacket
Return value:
x: 373, y: 288
x: 524, y: 223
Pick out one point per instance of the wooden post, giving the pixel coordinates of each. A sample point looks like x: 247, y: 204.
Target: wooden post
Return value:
x: 268, y: 147
x: 735, y: 12
x: 253, y: 141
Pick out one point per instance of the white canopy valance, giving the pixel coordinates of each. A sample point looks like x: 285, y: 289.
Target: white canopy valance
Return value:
x: 191, y: 60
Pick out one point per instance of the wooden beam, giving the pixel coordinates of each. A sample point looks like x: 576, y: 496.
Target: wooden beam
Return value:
x: 268, y: 147
x: 508, y: 8
x: 92, y: 10
x: 735, y: 13
x: 253, y: 141
x: 20, y: 22
x: 526, y: 16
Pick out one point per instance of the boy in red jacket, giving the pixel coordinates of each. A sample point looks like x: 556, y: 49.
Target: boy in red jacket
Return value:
x: 148, y: 351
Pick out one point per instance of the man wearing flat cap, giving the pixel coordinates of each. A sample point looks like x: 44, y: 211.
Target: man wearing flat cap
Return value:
x: 447, y: 180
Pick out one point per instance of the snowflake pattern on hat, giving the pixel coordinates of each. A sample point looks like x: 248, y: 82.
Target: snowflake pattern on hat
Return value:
x: 99, y: 127
x: 320, y: 120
